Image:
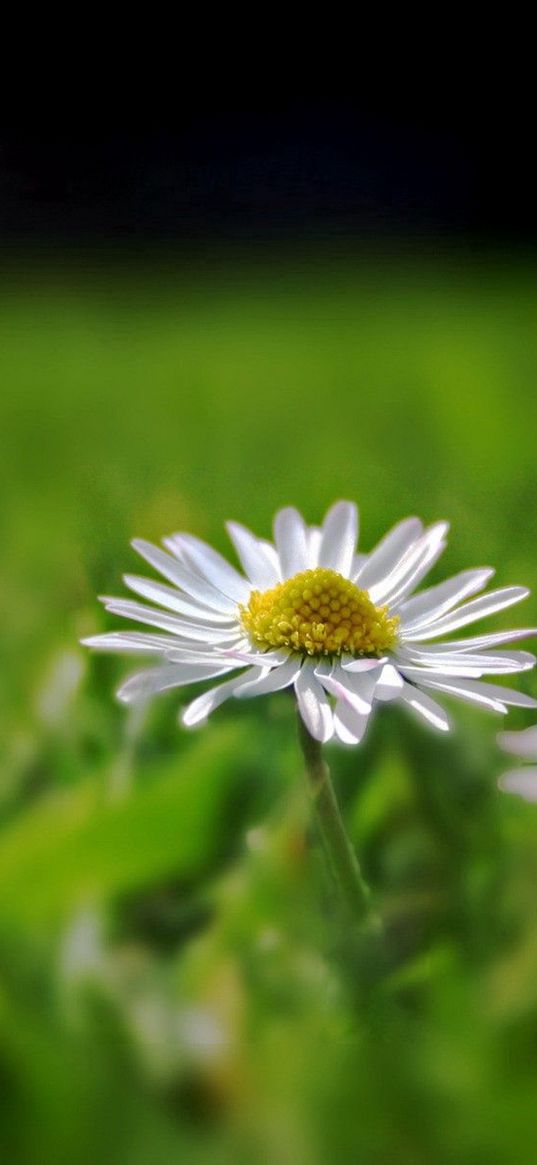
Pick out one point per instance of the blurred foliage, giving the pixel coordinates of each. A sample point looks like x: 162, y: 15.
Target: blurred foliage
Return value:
x: 175, y: 980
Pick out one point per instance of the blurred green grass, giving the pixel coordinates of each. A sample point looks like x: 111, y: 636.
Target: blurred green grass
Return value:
x: 171, y: 982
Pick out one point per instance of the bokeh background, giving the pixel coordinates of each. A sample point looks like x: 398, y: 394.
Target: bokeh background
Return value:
x: 257, y: 307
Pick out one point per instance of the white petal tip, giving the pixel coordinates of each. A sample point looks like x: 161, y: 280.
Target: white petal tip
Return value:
x: 138, y: 545
x: 343, y: 507
x: 96, y: 641
x: 192, y: 724
x: 364, y: 665
x: 507, y: 741
x: 520, y: 783
x: 521, y: 743
x: 124, y: 697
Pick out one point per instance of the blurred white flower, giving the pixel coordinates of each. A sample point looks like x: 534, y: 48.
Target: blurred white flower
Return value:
x: 522, y: 781
x: 343, y: 629
x: 59, y: 689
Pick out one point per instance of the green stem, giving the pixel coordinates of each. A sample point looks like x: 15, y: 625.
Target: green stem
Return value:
x: 341, y: 855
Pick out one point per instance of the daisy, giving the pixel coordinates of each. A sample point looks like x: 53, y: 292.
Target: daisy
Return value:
x: 522, y: 781
x: 345, y: 630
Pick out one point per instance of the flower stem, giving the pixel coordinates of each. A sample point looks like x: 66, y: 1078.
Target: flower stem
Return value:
x: 342, y: 858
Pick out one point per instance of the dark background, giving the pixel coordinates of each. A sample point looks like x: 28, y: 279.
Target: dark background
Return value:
x: 300, y: 169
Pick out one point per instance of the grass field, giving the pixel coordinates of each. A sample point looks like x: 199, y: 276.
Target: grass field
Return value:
x: 174, y: 983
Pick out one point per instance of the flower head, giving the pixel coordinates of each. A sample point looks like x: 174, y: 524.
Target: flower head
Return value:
x: 345, y: 630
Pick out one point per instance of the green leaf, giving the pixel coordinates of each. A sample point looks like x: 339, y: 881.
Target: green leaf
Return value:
x: 82, y: 845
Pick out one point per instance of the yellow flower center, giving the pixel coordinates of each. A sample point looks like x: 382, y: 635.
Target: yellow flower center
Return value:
x: 318, y: 612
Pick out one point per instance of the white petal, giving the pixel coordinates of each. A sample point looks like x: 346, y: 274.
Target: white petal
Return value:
x: 313, y: 705
x: 192, y: 583
x: 390, y: 684
x: 159, y: 679
x: 388, y: 553
x: 180, y: 627
x: 523, y: 743
x: 504, y: 662
x: 200, y: 708
x: 359, y: 560
x: 355, y: 690
x: 468, y: 645
x: 465, y: 671
x: 479, y: 692
x: 522, y: 782
x: 469, y: 613
x: 349, y: 725
x: 362, y: 684
x: 259, y: 658
x: 338, y: 538
x: 425, y: 706
x: 510, y: 661
x: 193, y: 652
x: 463, y: 693
x: 361, y: 665
x: 488, y: 663
x: 279, y: 677
x: 314, y: 546
x: 172, y: 600
x: 436, y: 601
x: 290, y: 536
x: 325, y: 667
x: 259, y: 559
x: 213, y: 566
x: 414, y: 565
x: 131, y: 642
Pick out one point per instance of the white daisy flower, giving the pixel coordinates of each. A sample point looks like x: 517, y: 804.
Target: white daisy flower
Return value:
x: 345, y: 630
x: 523, y: 780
